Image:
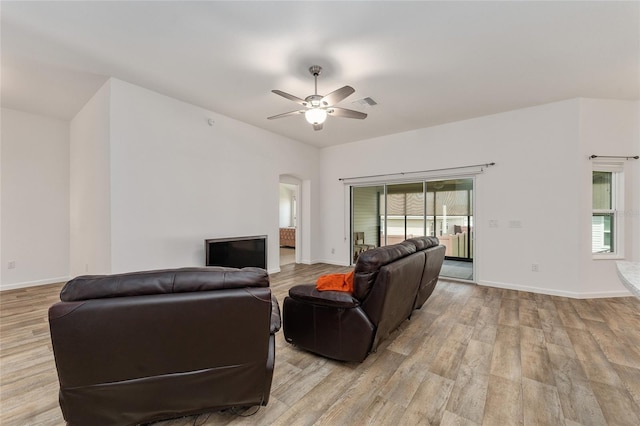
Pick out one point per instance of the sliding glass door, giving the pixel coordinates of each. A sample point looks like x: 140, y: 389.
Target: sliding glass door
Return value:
x: 405, y: 212
x: 450, y: 215
x: 367, y: 218
x: 390, y: 213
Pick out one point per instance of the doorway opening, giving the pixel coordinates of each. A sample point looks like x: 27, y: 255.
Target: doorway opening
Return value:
x: 288, y: 222
x: 386, y: 214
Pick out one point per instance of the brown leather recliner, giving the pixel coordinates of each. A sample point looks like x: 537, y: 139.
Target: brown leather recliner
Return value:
x: 389, y: 283
x: 140, y: 347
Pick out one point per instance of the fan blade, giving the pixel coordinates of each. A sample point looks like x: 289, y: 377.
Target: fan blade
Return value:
x: 286, y: 114
x: 290, y: 97
x: 337, y: 95
x: 317, y: 126
x: 346, y: 113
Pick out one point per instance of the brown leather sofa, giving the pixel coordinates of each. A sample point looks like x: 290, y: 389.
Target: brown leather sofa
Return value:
x: 140, y: 347
x: 389, y: 283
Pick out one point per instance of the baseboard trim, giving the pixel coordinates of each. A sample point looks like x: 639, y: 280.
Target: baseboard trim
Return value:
x: 26, y: 284
x: 554, y: 292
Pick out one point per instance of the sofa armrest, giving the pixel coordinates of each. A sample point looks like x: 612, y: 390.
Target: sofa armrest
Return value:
x: 276, y: 321
x: 335, y: 299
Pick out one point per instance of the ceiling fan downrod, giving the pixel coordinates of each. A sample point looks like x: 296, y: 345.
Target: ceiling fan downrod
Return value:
x: 315, y: 70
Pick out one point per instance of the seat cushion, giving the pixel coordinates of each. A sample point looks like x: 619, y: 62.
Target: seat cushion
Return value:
x: 308, y: 293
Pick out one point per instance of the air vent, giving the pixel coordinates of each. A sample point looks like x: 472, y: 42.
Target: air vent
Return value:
x: 365, y: 103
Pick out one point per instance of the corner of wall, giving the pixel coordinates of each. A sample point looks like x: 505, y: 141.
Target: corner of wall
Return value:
x: 90, y: 247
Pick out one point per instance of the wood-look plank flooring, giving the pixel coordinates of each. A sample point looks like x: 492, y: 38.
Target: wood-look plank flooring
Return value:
x: 471, y: 356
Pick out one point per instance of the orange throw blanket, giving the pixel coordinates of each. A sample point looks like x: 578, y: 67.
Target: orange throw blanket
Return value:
x: 335, y: 282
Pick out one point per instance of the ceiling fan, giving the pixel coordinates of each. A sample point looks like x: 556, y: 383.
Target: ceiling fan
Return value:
x: 318, y: 107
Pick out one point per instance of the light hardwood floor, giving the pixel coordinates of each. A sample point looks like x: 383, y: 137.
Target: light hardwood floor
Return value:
x: 287, y: 255
x: 472, y: 355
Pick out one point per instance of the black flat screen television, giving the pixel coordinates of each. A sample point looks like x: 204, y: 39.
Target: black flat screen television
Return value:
x: 237, y: 252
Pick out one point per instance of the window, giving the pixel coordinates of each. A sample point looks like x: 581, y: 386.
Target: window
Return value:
x: 606, y: 229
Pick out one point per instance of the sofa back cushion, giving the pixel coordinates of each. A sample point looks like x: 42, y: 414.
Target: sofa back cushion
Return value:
x: 166, y: 281
x: 423, y: 243
x: 370, y: 262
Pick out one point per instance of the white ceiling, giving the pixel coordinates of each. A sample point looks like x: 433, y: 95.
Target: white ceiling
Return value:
x: 425, y: 63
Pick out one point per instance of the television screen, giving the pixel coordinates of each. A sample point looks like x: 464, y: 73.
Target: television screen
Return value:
x: 238, y: 252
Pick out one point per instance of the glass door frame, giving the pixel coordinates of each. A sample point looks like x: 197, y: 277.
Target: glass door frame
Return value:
x: 471, y: 213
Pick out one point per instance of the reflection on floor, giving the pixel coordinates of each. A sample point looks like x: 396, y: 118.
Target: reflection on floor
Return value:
x: 287, y: 255
x: 457, y: 269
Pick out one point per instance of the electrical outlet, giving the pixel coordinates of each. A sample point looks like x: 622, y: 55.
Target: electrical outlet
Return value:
x: 333, y: 251
x: 12, y: 264
x: 535, y: 267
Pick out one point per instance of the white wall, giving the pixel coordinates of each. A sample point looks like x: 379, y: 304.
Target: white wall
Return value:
x: 150, y: 180
x: 176, y: 180
x: 538, y: 181
x: 608, y: 127
x: 90, y: 250
x: 35, y: 199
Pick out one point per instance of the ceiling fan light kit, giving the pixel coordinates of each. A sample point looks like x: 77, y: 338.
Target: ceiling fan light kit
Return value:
x: 318, y: 107
x: 315, y: 115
